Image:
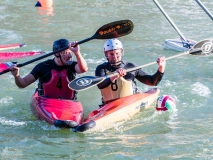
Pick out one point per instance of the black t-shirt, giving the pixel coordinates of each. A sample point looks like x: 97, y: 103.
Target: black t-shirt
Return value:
x: 139, y: 74
x: 42, y: 71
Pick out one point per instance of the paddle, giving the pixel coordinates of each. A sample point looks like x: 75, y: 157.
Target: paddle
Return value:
x: 171, y: 22
x: 204, y: 8
x: 111, y: 30
x: 202, y: 48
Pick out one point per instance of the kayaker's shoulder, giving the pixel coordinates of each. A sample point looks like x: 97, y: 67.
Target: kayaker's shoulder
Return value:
x: 48, y: 61
x: 103, y: 65
x: 128, y: 64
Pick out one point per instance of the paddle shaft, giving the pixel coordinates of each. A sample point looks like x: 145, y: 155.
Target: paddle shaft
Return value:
x: 54, y: 52
x: 46, y: 55
x: 111, y: 30
x: 36, y: 59
x: 204, y: 8
x: 49, y: 54
x: 148, y: 64
x: 170, y: 21
x: 96, y: 80
x: 81, y: 83
x: 151, y: 63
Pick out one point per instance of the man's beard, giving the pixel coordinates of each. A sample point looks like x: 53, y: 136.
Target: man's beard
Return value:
x: 115, y: 64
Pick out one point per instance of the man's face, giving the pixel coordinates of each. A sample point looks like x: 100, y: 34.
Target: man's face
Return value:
x: 114, y: 56
x: 66, y: 55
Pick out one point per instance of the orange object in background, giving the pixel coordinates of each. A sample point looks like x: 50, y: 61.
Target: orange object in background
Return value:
x: 44, y: 3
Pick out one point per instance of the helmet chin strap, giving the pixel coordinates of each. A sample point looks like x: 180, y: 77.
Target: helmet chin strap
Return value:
x: 115, y: 64
x: 62, y: 60
x: 59, y: 56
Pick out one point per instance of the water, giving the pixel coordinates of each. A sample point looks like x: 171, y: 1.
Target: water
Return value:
x: 186, y: 134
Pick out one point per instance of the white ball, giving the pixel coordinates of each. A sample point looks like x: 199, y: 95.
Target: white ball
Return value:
x: 165, y: 102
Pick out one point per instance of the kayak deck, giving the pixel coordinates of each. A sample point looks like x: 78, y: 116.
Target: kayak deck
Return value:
x: 118, y: 110
x: 10, y: 55
x: 178, y: 44
x: 51, y: 109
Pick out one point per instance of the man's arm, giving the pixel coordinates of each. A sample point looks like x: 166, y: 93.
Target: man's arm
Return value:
x: 22, y: 82
x: 81, y: 65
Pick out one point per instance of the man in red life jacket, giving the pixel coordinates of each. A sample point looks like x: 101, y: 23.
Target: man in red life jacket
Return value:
x: 55, y: 74
x: 124, y: 83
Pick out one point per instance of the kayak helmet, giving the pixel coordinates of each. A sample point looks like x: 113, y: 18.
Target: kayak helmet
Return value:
x: 165, y: 102
x: 60, y: 43
x: 112, y: 44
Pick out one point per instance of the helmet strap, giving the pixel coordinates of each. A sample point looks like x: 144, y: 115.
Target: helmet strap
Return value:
x: 58, y: 56
x: 62, y: 59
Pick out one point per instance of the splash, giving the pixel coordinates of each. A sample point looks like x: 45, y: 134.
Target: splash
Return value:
x: 200, y: 89
x: 10, y: 122
x: 6, y: 100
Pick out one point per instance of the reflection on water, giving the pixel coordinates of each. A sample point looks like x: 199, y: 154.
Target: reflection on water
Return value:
x: 46, y: 11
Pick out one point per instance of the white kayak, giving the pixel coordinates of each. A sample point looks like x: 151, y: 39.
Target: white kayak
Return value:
x: 178, y: 44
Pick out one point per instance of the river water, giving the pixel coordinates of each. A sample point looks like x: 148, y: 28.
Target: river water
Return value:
x: 151, y: 135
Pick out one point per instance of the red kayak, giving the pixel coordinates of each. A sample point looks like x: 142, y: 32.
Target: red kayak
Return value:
x: 69, y: 114
x: 10, y: 55
x: 11, y: 46
x: 6, y: 65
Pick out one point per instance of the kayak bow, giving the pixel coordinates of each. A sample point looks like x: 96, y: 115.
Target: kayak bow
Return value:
x: 11, y: 46
x: 10, y: 55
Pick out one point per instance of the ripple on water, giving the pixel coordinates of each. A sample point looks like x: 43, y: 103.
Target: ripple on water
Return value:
x: 4, y: 121
x: 6, y: 100
x: 200, y: 89
x: 11, y: 153
x: 8, y: 35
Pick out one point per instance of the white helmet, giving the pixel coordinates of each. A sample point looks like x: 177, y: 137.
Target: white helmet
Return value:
x: 112, y: 44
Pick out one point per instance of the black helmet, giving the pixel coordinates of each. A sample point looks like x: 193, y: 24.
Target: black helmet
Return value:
x: 61, y: 43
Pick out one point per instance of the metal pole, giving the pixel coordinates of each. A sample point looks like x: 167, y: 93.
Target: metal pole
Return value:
x: 204, y: 8
x: 170, y: 21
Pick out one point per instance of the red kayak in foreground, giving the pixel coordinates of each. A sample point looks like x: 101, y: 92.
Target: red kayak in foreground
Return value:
x: 10, y: 55
x: 10, y: 46
x: 69, y: 114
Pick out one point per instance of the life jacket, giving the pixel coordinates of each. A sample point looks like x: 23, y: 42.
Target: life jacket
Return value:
x: 57, y: 86
x: 117, y: 89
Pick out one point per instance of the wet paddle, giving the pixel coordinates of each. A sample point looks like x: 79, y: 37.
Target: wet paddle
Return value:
x: 202, y: 48
x: 172, y: 23
x: 111, y: 30
x: 204, y: 8
x: 11, y: 46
